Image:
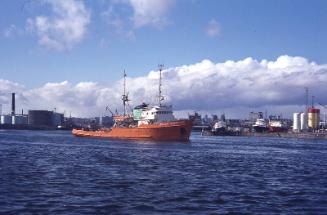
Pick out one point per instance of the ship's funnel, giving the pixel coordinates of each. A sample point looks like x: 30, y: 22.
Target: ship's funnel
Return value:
x: 13, y: 104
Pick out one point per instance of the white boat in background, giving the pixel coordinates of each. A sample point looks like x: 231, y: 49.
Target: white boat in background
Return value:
x: 261, y: 125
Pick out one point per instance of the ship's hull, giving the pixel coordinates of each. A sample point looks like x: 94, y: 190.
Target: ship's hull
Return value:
x: 178, y: 130
x: 220, y: 133
x: 277, y: 129
x: 260, y: 129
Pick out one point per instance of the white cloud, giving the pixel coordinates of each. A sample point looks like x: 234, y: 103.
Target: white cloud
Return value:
x: 124, y: 17
x: 150, y: 12
x: 11, y: 31
x: 64, y: 28
x: 7, y: 86
x: 213, y: 29
x: 235, y: 87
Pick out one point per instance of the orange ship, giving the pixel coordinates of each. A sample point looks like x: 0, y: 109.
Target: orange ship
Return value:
x: 146, y: 122
x: 178, y: 130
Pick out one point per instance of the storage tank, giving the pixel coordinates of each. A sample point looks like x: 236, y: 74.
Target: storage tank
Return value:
x: 304, y: 121
x: 313, y: 118
x: 296, y: 122
x: 40, y: 118
x: 19, y: 120
x: 5, y: 119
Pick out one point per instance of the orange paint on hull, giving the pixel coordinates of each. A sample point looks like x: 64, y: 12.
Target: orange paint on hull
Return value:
x: 178, y: 130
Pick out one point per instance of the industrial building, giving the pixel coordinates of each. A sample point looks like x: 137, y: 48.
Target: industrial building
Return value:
x: 35, y: 119
x: 45, y: 119
x: 309, y: 120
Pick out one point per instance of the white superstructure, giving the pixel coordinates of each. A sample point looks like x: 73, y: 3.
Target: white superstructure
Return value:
x: 220, y: 125
x: 260, y: 122
x: 276, y: 123
x: 153, y: 114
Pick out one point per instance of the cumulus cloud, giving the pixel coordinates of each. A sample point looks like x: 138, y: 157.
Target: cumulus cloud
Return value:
x: 232, y: 87
x: 64, y: 28
x: 124, y: 17
x: 213, y: 29
x: 150, y: 12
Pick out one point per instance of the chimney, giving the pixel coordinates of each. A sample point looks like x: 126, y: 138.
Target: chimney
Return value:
x: 13, y: 104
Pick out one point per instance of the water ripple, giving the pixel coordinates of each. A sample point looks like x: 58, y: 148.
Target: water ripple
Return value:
x: 54, y: 173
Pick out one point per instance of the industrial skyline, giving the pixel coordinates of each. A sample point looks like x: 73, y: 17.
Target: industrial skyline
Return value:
x: 232, y: 56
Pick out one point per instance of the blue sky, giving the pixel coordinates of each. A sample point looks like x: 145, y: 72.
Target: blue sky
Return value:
x: 256, y: 28
x: 98, y: 39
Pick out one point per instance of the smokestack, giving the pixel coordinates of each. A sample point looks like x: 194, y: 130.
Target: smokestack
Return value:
x: 13, y: 104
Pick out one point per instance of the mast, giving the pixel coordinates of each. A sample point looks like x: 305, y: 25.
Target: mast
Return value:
x: 124, y: 96
x: 306, y: 100
x: 160, y: 97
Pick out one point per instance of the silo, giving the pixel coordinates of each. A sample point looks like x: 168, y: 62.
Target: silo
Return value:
x: 5, y: 119
x: 304, y: 121
x: 313, y: 118
x: 40, y: 118
x: 296, y: 122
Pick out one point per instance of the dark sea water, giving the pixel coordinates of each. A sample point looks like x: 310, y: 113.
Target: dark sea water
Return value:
x: 52, y: 172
